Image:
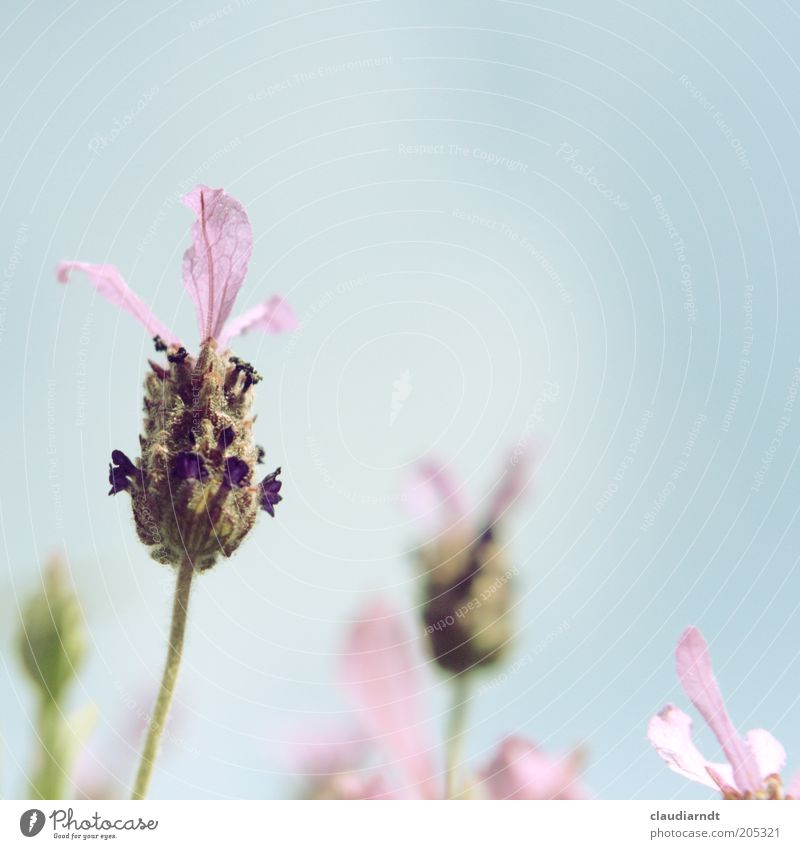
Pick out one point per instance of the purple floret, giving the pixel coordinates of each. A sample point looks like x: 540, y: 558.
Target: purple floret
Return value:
x: 189, y: 465
x: 270, y: 487
x: 236, y: 471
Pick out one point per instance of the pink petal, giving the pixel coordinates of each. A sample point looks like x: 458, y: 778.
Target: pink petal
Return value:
x: 271, y: 316
x: 670, y: 733
x: 519, y: 770
x: 105, y: 765
x: 515, y: 480
x: 434, y: 497
x: 352, y: 786
x: 360, y: 786
x: 697, y: 678
x: 109, y: 283
x: 382, y: 677
x: 325, y: 750
x: 215, y: 265
x: 793, y: 788
x: 768, y: 752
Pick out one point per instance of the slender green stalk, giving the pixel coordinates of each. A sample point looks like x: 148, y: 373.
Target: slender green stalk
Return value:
x: 48, y: 780
x: 158, y: 720
x: 456, y: 729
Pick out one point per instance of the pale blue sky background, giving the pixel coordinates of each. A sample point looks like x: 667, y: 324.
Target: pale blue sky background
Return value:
x: 541, y: 257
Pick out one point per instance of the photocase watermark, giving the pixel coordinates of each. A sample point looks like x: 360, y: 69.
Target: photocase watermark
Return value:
x: 524, y: 243
x: 474, y: 603
x: 569, y: 154
x: 677, y: 471
x: 627, y: 461
x: 52, y: 457
x: 10, y: 271
x: 218, y: 14
x: 401, y: 392
x: 744, y: 360
x: 546, y: 398
x: 307, y: 317
x: 328, y: 479
x: 66, y: 825
x: 143, y: 714
x: 679, y: 247
x: 528, y: 657
x: 719, y: 119
x: 777, y: 438
x: 452, y: 149
x: 81, y: 384
x: 320, y: 72
x: 31, y: 822
x: 185, y: 186
x: 100, y: 141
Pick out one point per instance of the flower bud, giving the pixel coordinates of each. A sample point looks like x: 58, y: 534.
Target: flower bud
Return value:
x: 52, y: 638
x: 466, y: 600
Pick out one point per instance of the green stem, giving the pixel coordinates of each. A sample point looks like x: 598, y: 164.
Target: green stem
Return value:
x: 48, y: 781
x: 158, y: 720
x: 456, y: 728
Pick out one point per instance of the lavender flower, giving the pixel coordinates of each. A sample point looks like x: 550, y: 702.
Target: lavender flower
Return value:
x: 191, y: 488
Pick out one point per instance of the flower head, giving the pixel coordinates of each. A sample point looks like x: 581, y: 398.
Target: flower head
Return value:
x: 385, y: 681
x: 753, y: 766
x: 467, y: 592
x: 194, y: 488
x: 52, y: 638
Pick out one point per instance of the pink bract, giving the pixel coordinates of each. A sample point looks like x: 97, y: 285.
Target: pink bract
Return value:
x: 214, y: 267
x: 753, y: 762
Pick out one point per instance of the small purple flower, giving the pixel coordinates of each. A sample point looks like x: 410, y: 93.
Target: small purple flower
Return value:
x: 270, y: 487
x: 120, y: 473
x: 188, y: 465
x: 236, y: 470
x: 226, y: 438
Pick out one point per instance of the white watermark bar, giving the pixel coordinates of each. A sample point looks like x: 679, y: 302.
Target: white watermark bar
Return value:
x: 386, y: 825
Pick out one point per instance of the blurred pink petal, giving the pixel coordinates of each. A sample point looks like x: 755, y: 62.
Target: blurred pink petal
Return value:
x: 793, y: 788
x: 381, y: 674
x: 697, y: 678
x: 326, y: 750
x: 769, y: 754
x: 107, y: 764
x: 215, y: 265
x: 670, y: 733
x: 351, y: 786
x: 271, y: 316
x: 512, y: 485
x: 109, y: 283
x: 434, y: 496
x: 519, y: 770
